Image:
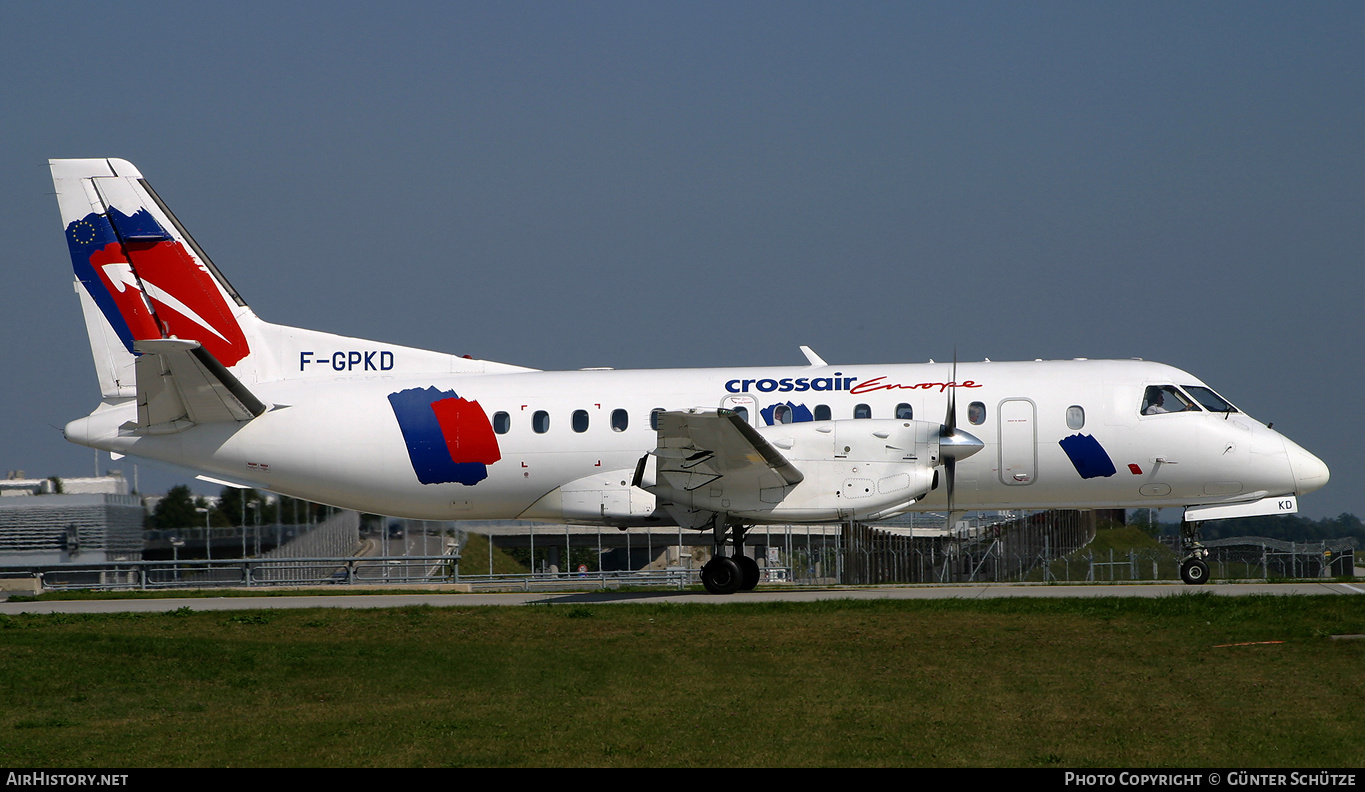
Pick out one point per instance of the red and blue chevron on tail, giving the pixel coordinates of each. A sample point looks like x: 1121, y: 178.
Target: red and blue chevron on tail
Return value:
x: 108, y: 277
x: 135, y: 263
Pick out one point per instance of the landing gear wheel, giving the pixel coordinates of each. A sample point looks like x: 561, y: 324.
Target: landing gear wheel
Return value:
x: 721, y: 575
x: 1194, y: 571
x: 748, y: 569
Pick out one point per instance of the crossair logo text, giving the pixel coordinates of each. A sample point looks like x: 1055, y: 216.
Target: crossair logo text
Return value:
x: 838, y: 382
x: 788, y: 384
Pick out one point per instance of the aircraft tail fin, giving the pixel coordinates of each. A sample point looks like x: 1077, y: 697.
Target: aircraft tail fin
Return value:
x: 139, y: 273
x: 141, y: 277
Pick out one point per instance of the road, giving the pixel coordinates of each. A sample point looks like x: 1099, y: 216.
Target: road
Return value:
x: 958, y: 591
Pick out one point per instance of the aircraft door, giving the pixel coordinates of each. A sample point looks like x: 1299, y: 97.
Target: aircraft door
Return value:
x: 746, y: 406
x: 1018, y: 442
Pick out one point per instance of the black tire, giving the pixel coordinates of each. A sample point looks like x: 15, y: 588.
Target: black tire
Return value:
x: 749, y: 574
x: 721, y: 575
x: 1194, y: 571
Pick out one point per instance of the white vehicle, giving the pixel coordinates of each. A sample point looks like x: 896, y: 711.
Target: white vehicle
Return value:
x: 189, y: 375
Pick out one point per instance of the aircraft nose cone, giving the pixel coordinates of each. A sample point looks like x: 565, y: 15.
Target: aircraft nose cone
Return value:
x: 1310, y: 473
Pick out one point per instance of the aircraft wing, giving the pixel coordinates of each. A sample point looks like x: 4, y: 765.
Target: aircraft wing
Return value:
x: 180, y: 384
x: 716, y: 449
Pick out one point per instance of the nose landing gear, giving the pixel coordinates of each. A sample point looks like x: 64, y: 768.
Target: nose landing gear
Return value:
x: 1193, y: 570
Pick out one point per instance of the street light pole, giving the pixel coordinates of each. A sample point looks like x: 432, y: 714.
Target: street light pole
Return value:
x: 255, y: 512
x: 176, y: 544
x: 208, y: 538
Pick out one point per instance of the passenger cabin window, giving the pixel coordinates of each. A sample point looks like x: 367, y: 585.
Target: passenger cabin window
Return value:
x: 540, y: 422
x: 1160, y: 399
x: 580, y: 420
x: 862, y: 411
x: 905, y: 412
x: 654, y: 418
x: 782, y: 414
x: 1210, y: 400
x: 501, y: 422
x: 976, y: 413
x: 620, y: 419
x: 1075, y: 417
x: 822, y: 412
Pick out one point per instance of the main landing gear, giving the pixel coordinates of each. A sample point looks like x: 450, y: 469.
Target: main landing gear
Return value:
x: 1193, y: 570
x: 727, y: 574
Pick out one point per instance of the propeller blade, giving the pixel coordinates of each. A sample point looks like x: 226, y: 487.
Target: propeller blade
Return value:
x: 947, y: 432
x: 953, y: 443
x: 950, y: 472
x: 950, y: 420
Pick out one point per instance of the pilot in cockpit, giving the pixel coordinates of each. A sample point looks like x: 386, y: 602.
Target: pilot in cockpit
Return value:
x: 1163, y: 399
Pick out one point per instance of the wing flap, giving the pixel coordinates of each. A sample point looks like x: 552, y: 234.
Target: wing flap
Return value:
x: 703, y: 447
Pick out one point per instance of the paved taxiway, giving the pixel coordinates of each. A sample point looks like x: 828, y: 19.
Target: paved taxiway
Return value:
x: 959, y: 591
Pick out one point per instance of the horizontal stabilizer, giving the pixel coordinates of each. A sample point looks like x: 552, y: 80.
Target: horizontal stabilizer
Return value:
x: 180, y: 384
x: 235, y: 484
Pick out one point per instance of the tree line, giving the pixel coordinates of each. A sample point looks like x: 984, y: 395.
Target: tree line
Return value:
x: 1288, y: 528
x: 180, y: 508
x: 1284, y: 527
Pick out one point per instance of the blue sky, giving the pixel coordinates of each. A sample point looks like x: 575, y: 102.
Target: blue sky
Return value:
x: 563, y: 185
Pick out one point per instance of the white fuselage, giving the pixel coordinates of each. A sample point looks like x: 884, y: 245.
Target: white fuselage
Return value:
x: 338, y: 441
x: 191, y: 376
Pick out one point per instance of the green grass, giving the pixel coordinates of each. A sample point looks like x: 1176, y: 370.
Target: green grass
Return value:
x: 73, y: 595
x: 1015, y: 683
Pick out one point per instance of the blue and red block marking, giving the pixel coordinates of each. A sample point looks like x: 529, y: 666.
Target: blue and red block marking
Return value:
x: 449, y: 439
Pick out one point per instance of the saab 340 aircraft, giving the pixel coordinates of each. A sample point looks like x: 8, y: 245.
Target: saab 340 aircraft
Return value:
x: 189, y: 375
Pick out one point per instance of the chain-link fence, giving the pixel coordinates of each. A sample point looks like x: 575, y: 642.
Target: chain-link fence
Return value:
x: 977, y: 550
x: 1257, y: 557
x: 1049, y: 546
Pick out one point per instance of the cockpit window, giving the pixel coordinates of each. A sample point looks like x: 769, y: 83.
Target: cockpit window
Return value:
x: 1211, y: 401
x: 1165, y: 399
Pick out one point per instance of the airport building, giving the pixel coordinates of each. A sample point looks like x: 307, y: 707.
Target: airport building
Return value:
x: 62, y: 521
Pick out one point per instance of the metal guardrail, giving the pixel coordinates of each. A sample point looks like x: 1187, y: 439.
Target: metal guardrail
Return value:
x: 250, y: 572
x: 369, y: 570
x: 543, y: 581
x: 821, y: 563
